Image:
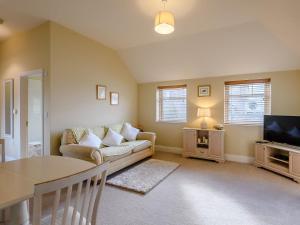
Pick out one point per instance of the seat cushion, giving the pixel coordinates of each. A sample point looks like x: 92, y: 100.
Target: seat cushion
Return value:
x: 115, y: 152
x: 138, y: 145
x: 59, y: 216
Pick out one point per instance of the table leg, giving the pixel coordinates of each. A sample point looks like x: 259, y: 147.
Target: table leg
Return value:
x: 17, y: 214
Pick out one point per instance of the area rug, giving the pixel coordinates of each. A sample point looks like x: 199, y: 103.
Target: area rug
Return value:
x: 144, y: 176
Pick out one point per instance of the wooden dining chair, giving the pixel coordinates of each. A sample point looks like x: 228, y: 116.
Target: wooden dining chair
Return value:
x: 86, y: 208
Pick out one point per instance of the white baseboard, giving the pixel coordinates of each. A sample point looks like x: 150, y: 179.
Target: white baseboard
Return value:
x: 228, y: 157
x: 162, y: 148
x: 239, y: 158
x: 9, y: 158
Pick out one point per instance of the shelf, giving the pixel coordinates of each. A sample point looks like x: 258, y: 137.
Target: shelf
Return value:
x: 278, y: 166
x: 279, y: 160
x: 202, y: 145
x: 283, y: 147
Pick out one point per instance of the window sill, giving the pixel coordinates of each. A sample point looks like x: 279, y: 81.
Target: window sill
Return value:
x: 245, y: 124
x: 171, y: 122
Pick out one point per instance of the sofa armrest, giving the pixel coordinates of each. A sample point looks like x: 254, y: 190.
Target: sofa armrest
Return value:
x: 150, y: 136
x: 82, y: 152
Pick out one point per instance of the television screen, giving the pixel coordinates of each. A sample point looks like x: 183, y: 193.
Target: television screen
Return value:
x: 282, y: 129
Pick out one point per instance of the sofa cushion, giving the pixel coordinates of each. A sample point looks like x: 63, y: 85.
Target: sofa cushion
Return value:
x: 68, y: 137
x: 112, y: 138
x: 99, y: 131
x: 78, y: 133
x: 90, y: 139
x: 129, y: 132
x: 138, y: 145
x: 115, y: 127
x: 115, y: 152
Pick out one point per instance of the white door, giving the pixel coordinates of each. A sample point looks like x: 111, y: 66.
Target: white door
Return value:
x: 32, y: 114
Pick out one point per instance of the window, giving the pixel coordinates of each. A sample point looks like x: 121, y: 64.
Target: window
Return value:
x: 171, y: 103
x: 246, y: 102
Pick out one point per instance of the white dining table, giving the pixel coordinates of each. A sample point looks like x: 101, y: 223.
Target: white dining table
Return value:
x: 18, y: 177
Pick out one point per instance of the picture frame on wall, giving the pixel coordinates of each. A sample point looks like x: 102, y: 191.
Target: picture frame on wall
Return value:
x: 101, y: 92
x: 204, y: 90
x: 114, y: 98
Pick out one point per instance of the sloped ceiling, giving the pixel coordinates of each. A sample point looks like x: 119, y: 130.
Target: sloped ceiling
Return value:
x: 211, y: 38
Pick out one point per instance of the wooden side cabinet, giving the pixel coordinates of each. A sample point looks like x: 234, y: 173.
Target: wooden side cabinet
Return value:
x: 206, y: 144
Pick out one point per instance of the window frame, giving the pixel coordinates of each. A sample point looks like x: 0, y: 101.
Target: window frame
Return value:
x: 268, y: 102
x: 158, y: 117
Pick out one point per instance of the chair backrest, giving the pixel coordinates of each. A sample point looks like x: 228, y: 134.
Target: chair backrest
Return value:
x: 86, y: 201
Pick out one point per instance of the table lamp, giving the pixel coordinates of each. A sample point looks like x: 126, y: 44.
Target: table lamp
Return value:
x: 203, y: 112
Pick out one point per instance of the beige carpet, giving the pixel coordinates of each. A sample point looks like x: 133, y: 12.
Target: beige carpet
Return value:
x: 203, y: 192
x: 143, y: 176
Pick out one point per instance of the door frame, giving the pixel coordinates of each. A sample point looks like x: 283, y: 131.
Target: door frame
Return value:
x: 12, y: 100
x: 23, y: 120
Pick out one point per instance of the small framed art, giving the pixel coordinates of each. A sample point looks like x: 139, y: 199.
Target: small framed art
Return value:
x: 203, y: 90
x: 114, y: 98
x: 101, y: 92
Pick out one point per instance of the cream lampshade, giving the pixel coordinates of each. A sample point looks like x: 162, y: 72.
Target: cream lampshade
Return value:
x: 164, y: 22
x: 203, y: 112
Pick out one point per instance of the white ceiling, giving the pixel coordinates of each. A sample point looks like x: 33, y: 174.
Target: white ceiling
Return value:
x: 211, y: 38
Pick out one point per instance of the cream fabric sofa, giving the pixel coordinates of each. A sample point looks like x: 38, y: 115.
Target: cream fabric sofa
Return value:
x: 119, y: 156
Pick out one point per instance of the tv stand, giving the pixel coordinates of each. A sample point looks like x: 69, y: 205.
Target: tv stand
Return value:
x: 279, y: 158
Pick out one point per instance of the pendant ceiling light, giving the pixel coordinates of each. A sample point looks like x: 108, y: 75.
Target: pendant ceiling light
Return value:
x: 164, y: 21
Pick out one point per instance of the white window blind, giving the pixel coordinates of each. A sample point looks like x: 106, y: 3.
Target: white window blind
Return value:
x: 246, y: 102
x: 171, y: 103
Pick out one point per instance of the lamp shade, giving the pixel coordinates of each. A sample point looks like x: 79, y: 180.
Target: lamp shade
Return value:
x: 164, y: 22
x: 203, y: 112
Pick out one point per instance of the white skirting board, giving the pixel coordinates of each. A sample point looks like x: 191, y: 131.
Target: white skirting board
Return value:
x: 228, y: 157
x: 239, y: 158
x: 162, y: 148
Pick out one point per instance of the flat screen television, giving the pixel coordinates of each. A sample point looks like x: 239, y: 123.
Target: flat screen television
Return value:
x: 282, y: 129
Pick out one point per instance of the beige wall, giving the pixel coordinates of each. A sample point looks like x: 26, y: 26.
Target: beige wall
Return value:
x: 74, y: 64
x: 239, y: 139
x: 77, y: 65
x: 21, y: 53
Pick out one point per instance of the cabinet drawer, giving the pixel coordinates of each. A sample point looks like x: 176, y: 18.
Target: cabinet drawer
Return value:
x: 202, y: 152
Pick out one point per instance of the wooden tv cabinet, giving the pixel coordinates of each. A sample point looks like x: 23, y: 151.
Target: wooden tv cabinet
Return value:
x: 281, y: 159
x: 203, y: 143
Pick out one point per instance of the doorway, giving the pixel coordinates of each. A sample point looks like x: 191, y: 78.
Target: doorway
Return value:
x: 32, y: 114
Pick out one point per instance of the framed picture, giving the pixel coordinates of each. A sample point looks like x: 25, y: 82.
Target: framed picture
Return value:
x: 101, y: 92
x: 114, y: 98
x: 203, y: 90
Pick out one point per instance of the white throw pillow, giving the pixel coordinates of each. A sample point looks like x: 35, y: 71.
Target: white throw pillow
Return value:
x: 129, y: 132
x: 90, y: 139
x: 112, y: 138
